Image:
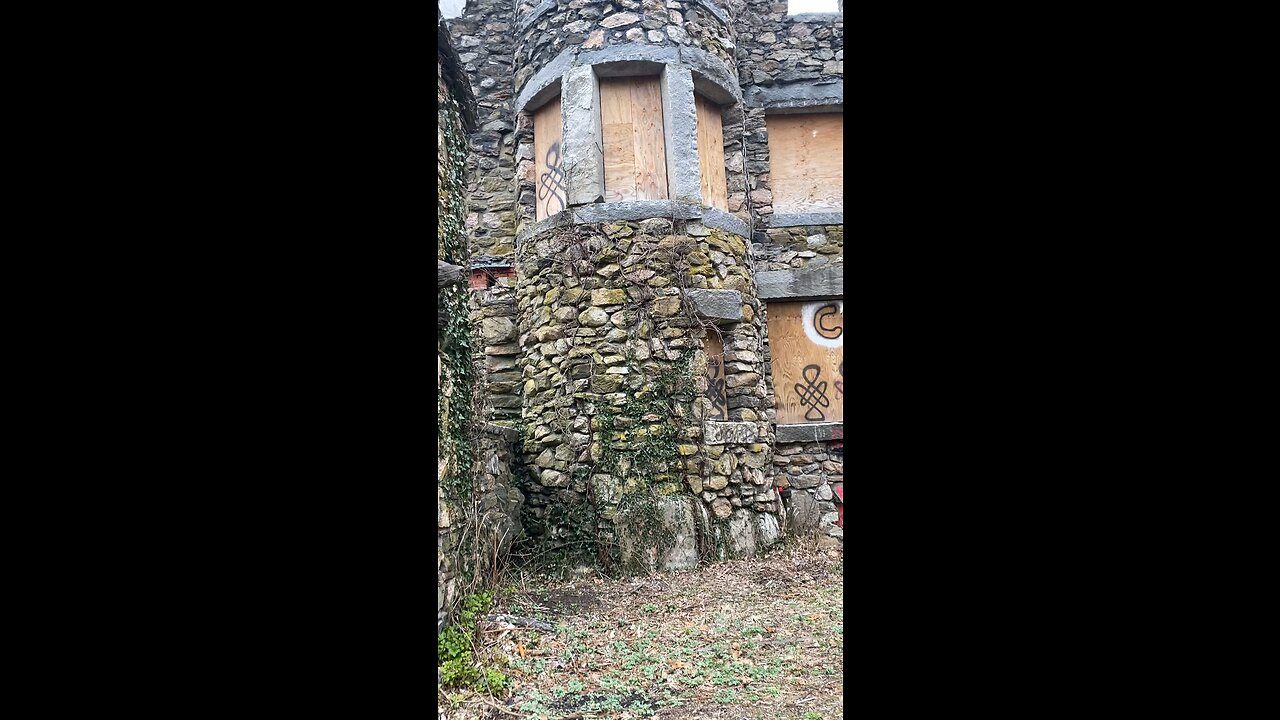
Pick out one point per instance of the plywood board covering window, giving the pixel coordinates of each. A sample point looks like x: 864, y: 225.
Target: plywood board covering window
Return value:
x: 806, y: 342
x: 548, y: 160
x: 635, y: 159
x: 715, y: 191
x: 806, y: 162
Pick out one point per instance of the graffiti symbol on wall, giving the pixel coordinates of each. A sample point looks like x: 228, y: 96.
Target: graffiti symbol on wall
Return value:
x: 824, y: 323
x: 840, y: 384
x: 813, y: 394
x: 551, y: 184
x: 827, y: 313
x: 715, y: 388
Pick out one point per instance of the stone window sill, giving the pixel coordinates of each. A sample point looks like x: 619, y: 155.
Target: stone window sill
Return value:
x: 809, y: 432
x: 798, y: 219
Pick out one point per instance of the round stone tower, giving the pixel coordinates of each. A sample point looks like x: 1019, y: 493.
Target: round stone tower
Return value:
x: 638, y: 333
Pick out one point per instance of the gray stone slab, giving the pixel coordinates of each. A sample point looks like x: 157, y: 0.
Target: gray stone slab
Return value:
x: 680, y: 128
x: 629, y: 51
x: 798, y: 219
x: 802, y: 513
x: 811, y: 432
x: 678, y: 517
x: 635, y: 210
x: 581, y: 144
x: 801, y: 283
x: 711, y: 8
x: 543, y: 8
x: 724, y: 433
x: 720, y: 306
x: 713, y: 69
x: 796, y: 95
x: 742, y: 533
x: 717, y: 218
x: 506, y: 433
x: 769, y: 530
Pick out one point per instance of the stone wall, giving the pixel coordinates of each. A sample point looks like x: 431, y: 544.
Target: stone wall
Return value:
x: 792, y: 64
x: 614, y: 318
x: 478, y: 504
x: 596, y: 351
x: 798, y: 247
x: 484, y: 38
x: 470, y: 560
x: 785, y: 63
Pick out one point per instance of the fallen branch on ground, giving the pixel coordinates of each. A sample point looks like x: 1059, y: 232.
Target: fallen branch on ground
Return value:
x: 520, y: 622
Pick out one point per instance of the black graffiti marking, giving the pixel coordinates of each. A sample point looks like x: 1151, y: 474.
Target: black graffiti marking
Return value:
x: 840, y: 384
x: 813, y: 394
x: 715, y: 388
x: 552, y: 181
x: 827, y: 311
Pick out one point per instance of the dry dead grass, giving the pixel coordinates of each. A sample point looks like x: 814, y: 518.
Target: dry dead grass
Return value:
x: 759, y: 638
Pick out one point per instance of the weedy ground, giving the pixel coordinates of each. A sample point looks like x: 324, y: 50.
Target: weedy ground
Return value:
x: 758, y: 638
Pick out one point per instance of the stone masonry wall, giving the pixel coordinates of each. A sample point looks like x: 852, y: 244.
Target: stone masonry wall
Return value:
x: 793, y: 60
x: 788, y: 63
x: 484, y: 38
x: 610, y: 314
x: 478, y: 506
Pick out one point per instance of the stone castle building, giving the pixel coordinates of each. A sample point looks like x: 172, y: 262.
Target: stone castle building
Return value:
x: 647, y: 216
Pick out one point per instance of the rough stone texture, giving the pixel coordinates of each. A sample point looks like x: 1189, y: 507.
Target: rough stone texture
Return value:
x: 718, y: 306
x: 722, y: 433
x: 679, y: 122
x: 742, y: 532
x: 806, y: 219
x: 581, y: 146
x: 812, y: 471
x: 606, y: 296
x: 802, y: 513
x: 679, y: 516
x: 806, y: 283
x: 825, y: 94
x: 811, y: 432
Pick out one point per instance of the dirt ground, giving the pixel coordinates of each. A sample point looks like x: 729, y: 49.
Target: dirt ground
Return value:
x: 759, y: 638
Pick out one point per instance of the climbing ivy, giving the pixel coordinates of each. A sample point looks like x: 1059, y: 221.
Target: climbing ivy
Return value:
x: 456, y: 422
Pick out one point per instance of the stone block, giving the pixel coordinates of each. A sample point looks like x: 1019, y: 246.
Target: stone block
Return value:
x: 718, y: 306
x: 802, y: 513
x: 581, y: 143
x: 608, y: 297
x: 723, y: 433
x: 807, y: 481
x: 801, y: 283
x: 742, y: 532
x: 809, y: 432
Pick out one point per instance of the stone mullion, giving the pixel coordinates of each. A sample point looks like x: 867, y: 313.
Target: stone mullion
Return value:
x: 581, y: 143
x: 679, y: 121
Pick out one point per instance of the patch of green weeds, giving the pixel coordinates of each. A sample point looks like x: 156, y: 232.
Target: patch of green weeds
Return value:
x: 726, y: 696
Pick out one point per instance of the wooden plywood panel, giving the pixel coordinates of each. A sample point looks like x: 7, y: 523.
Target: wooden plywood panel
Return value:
x: 806, y: 162
x: 548, y: 160
x: 635, y: 160
x: 617, y: 130
x: 806, y: 342
x: 715, y: 191
x: 714, y: 349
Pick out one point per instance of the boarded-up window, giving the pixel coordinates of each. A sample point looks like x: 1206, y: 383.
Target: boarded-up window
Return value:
x: 714, y: 350
x: 635, y: 159
x: 806, y: 341
x: 548, y: 160
x: 806, y: 162
x: 711, y: 154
